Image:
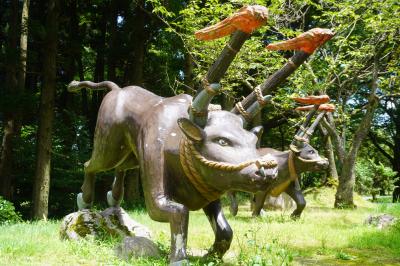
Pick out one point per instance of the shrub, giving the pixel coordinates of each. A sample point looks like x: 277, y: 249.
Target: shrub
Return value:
x: 8, y: 213
x: 374, y: 178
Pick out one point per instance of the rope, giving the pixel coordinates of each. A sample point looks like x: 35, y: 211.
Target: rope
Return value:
x: 301, y: 139
x: 230, y: 48
x: 260, y: 97
x: 243, y: 112
x: 291, y: 63
x: 208, y: 88
x: 207, y: 192
x: 197, y: 113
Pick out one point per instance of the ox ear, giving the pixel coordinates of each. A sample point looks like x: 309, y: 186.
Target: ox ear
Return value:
x: 191, y: 130
x: 258, y: 131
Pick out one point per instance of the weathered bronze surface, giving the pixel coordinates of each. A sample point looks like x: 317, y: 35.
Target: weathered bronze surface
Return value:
x: 188, y: 155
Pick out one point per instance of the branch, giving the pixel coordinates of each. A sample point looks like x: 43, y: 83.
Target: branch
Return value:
x: 335, y: 137
x: 366, y: 121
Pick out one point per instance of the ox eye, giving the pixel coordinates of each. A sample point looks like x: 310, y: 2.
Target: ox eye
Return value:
x: 222, y: 141
x: 311, y: 152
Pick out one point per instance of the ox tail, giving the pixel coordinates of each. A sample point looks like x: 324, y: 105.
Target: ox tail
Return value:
x: 75, y: 86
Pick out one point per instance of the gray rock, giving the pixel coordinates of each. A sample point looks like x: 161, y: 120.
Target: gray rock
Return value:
x: 114, y: 221
x: 380, y: 221
x: 137, y: 247
x: 282, y: 202
x: 119, y: 222
x: 80, y: 224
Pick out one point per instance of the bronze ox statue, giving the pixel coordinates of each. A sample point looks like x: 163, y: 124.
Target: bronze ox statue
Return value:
x: 188, y: 155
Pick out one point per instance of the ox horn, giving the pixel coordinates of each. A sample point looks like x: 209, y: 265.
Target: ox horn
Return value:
x: 241, y: 24
x: 299, y: 136
x: 304, y: 45
x: 248, y: 114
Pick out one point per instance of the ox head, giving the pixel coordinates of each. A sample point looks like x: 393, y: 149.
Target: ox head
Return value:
x: 225, y: 154
x: 307, y: 156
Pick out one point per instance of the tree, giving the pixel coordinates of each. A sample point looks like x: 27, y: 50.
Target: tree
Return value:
x: 44, y: 144
x: 357, y: 66
x: 15, y: 85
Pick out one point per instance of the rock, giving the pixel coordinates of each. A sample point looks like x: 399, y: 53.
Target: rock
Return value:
x: 119, y: 222
x: 114, y: 221
x: 137, y: 247
x: 380, y: 221
x: 282, y: 202
x: 80, y: 224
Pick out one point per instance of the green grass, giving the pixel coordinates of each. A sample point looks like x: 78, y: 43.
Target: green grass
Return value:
x: 323, y: 236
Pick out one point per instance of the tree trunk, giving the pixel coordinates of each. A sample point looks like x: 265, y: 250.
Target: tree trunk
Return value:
x: 134, y: 74
x: 16, y: 83
x: 331, y: 158
x: 98, y: 76
x: 344, y: 193
x: 396, y: 150
x: 113, y: 42
x: 42, y: 175
x: 188, y: 74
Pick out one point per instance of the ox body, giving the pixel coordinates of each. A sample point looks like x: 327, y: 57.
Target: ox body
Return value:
x: 183, y: 166
x: 305, y: 159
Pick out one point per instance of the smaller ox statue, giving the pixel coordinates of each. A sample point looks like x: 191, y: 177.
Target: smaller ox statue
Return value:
x: 301, y: 157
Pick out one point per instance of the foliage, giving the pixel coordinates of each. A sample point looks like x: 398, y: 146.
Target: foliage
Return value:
x: 374, y: 178
x: 8, y: 215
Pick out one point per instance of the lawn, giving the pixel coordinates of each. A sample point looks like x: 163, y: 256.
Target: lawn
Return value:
x: 323, y: 236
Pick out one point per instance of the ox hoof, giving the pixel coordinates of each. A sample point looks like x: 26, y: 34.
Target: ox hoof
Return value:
x: 180, y: 263
x: 111, y: 201
x: 81, y: 203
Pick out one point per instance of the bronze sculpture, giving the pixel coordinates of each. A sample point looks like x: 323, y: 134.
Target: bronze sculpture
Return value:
x: 188, y: 156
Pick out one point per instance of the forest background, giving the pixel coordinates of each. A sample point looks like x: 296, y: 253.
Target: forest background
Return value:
x: 47, y: 132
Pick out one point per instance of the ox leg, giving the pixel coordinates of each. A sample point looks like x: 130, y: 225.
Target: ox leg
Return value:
x: 85, y: 199
x: 258, y: 202
x: 222, y: 230
x: 162, y: 209
x: 233, y: 208
x: 294, y: 191
x: 115, y: 196
x: 157, y: 194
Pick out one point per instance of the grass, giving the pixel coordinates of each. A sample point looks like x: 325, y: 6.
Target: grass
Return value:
x: 323, y: 236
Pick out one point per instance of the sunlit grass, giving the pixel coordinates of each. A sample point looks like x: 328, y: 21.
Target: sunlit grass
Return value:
x: 323, y: 236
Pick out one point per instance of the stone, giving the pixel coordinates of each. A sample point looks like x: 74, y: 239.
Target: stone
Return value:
x: 119, y: 222
x: 114, y: 221
x: 138, y: 246
x: 380, y: 221
x: 80, y: 224
x: 282, y: 202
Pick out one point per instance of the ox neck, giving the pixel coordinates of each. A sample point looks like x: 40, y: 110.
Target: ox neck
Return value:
x: 189, y: 165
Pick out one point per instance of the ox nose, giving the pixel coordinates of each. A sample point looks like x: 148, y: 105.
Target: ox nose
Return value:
x: 323, y: 164
x: 261, y: 172
x: 267, y: 170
